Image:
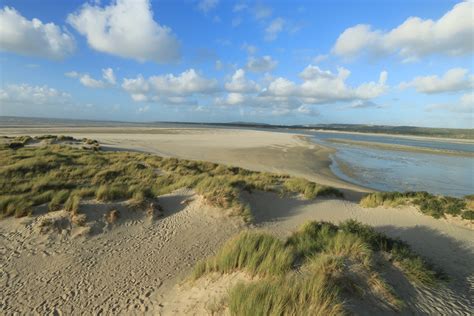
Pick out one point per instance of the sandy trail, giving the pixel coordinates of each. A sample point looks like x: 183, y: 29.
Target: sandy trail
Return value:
x: 133, y: 266
x: 119, y: 271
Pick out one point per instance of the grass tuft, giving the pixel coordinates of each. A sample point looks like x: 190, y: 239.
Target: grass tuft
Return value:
x: 315, y: 270
x: 429, y: 204
x: 255, y: 253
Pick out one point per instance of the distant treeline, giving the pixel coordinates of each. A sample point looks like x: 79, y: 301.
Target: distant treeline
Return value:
x: 361, y: 128
x: 8, y: 121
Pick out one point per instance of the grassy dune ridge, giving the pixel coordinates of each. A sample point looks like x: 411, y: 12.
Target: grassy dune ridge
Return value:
x: 434, y: 205
x: 63, y: 170
x: 316, y: 270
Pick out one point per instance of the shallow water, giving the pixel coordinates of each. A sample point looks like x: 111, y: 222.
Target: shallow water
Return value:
x: 390, y: 170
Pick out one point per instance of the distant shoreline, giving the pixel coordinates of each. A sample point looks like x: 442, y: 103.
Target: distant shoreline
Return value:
x: 416, y: 137
x: 400, y: 147
x: 451, y: 134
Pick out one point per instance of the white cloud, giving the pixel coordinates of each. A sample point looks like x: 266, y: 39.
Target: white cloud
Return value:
x: 72, y: 74
x: 239, y: 7
x: 240, y: 84
x: 464, y: 105
x: 274, y: 28
x: 207, y: 5
x: 186, y: 84
x: 236, y: 21
x: 27, y: 94
x: 126, y: 28
x: 308, y: 110
x: 33, y: 38
x: 261, y: 11
x: 144, y: 109
x: 219, y: 65
x: 109, y: 76
x: 455, y: 79
x: 321, y: 86
x: 360, y: 104
x: 235, y: 98
x: 87, y: 81
x: 263, y: 64
x: 250, y: 49
x: 452, y: 34
x: 90, y: 82
x: 319, y: 58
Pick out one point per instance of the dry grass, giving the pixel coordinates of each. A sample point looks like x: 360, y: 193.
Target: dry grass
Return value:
x: 112, y: 216
x: 315, y: 271
x: 61, y: 175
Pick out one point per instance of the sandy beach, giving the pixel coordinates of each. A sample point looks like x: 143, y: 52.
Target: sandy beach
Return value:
x: 134, y: 266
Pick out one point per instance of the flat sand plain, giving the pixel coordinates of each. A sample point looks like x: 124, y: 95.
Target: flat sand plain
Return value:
x: 136, y: 265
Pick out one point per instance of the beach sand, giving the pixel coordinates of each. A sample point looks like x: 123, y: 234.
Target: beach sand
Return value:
x: 137, y: 265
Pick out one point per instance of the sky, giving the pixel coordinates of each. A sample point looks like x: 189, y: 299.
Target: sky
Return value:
x: 281, y: 62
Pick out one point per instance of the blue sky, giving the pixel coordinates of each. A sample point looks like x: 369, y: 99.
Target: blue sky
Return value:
x: 286, y: 62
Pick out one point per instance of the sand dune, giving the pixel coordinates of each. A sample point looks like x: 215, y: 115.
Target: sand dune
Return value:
x: 134, y: 266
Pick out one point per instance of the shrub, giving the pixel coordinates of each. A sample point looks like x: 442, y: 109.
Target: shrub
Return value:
x: 468, y: 215
x: 429, y: 204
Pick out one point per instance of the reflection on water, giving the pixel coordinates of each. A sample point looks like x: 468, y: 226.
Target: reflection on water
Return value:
x: 388, y: 170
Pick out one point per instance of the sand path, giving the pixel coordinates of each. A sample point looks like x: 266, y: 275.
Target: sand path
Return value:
x: 116, y: 272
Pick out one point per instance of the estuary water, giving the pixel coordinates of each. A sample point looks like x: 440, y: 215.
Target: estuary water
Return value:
x: 394, y: 170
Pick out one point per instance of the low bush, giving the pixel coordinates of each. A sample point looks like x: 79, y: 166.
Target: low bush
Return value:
x: 429, y: 204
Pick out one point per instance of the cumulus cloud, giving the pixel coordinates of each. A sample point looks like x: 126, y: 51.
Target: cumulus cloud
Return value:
x: 186, y: 84
x: 87, y: 81
x: 361, y: 104
x: 285, y: 97
x: 465, y: 104
x: 239, y: 83
x: 90, y: 82
x: 455, y: 79
x: 321, y: 86
x: 262, y: 64
x: 126, y: 28
x: 207, y: 5
x: 33, y: 37
x: 274, y: 28
x: 27, y: 94
x: 451, y: 34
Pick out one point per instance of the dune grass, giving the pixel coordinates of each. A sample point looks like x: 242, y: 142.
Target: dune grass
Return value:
x: 255, y: 253
x: 436, y: 206
x: 315, y: 270
x: 53, y: 172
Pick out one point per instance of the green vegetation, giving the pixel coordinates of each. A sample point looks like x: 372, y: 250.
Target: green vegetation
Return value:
x: 256, y: 253
x: 434, y: 205
x: 316, y: 270
x: 60, y: 174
